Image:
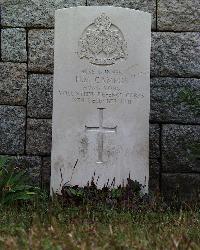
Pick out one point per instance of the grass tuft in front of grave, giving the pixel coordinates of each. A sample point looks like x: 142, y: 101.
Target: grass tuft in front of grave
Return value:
x: 126, y: 196
x: 51, y: 225
x: 88, y: 218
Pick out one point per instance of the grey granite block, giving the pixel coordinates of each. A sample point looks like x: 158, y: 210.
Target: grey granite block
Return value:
x: 46, y: 173
x: 40, y: 96
x: 154, y: 175
x: 179, y: 15
x: 181, y: 186
x: 40, y: 44
x: 181, y: 148
x: 154, y: 138
x: 13, y: 45
x: 143, y: 5
x: 175, y: 100
x: 33, y: 13
x: 12, y: 129
x: 175, y: 54
x: 13, y: 83
x: 38, y: 136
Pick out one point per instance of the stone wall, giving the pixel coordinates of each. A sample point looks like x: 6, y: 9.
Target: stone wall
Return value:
x: 26, y: 74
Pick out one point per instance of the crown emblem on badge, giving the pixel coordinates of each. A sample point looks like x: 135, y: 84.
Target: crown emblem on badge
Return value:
x: 102, y: 42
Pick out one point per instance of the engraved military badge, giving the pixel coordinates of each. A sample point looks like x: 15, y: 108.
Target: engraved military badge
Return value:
x: 102, y: 42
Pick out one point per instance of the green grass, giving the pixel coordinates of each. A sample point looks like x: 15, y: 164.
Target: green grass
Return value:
x: 45, y: 225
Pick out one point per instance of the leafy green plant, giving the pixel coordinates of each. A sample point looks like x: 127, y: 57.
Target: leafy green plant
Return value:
x: 13, y: 187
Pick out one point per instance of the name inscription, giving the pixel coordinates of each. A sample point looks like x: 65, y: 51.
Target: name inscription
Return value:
x: 102, y: 86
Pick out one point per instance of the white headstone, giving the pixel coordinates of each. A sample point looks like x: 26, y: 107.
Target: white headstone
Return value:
x: 101, y: 98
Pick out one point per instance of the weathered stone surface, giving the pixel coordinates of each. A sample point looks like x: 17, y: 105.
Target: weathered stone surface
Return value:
x: 31, y: 164
x: 38, y: 136
x: 40, y: 96
x: 175, y: 54
x: 154, y: 138
x: 34, y: 13
x: 13, y: 45
x: 178, y: 144
x: 46, y: 173
x: 143, y: 5
x: 13, y: 83
x: 168, y: 103
x: 178, y: 15
x: 40, y: 44
x: 181, y: 186
x: 12, y: 129
x: 154, y: 175
x: 101, y: 111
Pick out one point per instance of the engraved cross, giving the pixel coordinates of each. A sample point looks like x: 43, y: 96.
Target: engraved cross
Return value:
x: 101, y: 130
